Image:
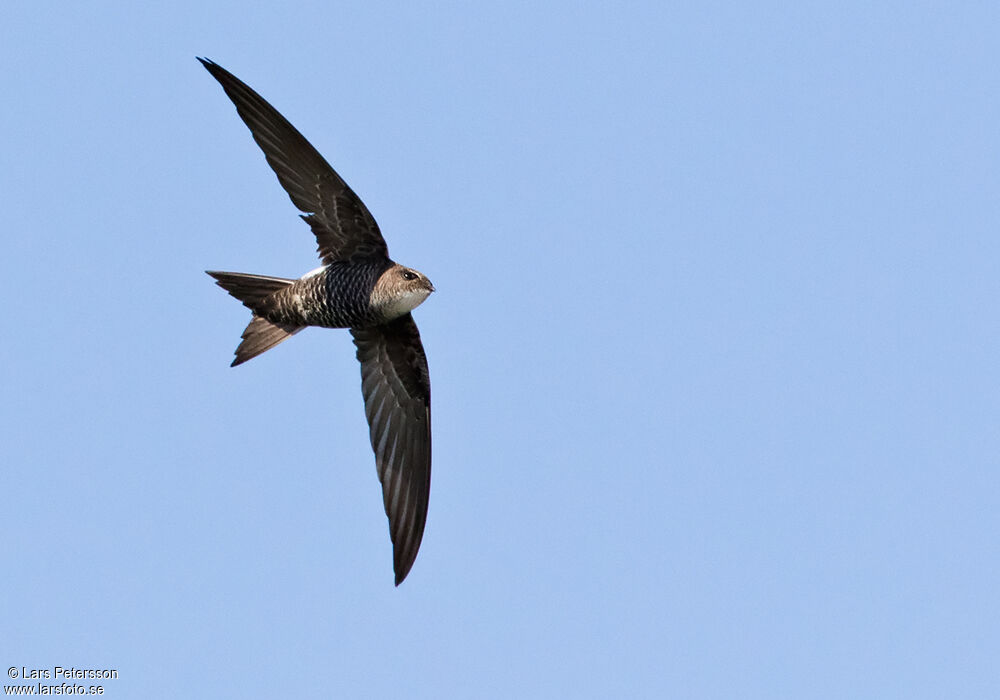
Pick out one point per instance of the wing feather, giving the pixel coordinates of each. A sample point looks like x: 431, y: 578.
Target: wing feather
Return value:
x: 397, y: 393
x: 342, y: 224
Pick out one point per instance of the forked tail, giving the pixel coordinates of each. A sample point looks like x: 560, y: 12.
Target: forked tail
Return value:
x: 260, y: 334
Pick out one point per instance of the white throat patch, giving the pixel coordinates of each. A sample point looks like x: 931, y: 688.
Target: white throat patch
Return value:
x: 404, y: 303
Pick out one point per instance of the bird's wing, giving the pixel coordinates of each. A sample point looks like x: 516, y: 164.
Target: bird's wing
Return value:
x: 397, y: 391
x: 344, y: 227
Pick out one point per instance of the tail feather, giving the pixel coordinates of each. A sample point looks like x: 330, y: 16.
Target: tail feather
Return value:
x: 252, y: 290
x: 260, y: 334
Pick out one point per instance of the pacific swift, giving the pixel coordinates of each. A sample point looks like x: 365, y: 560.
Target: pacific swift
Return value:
x: 358, y: 287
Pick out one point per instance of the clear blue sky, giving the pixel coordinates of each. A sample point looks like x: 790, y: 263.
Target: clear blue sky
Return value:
x: 714, y: 350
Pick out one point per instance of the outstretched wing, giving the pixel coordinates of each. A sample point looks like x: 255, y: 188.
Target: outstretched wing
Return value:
x: 344, y: 227
x: 397, y: 391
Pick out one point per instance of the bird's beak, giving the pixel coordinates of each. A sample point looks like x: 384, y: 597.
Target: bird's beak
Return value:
x: 430, y: 287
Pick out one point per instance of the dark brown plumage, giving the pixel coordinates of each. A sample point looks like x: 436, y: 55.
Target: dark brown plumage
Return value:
x: 359, y: 287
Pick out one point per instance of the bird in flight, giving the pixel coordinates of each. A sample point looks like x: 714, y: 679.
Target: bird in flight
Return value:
x: 358, y: 287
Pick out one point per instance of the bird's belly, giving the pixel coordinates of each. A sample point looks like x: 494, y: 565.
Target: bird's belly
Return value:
x: 300, y: 308
x: 327, y: 297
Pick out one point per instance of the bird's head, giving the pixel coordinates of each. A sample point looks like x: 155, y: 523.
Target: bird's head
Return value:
x: 400, y: 290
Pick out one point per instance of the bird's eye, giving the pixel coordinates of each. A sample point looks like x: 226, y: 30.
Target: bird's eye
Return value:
x: 408, y: 276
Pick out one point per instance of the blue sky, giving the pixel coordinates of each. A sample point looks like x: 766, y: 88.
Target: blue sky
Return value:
x: 713, y: 351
